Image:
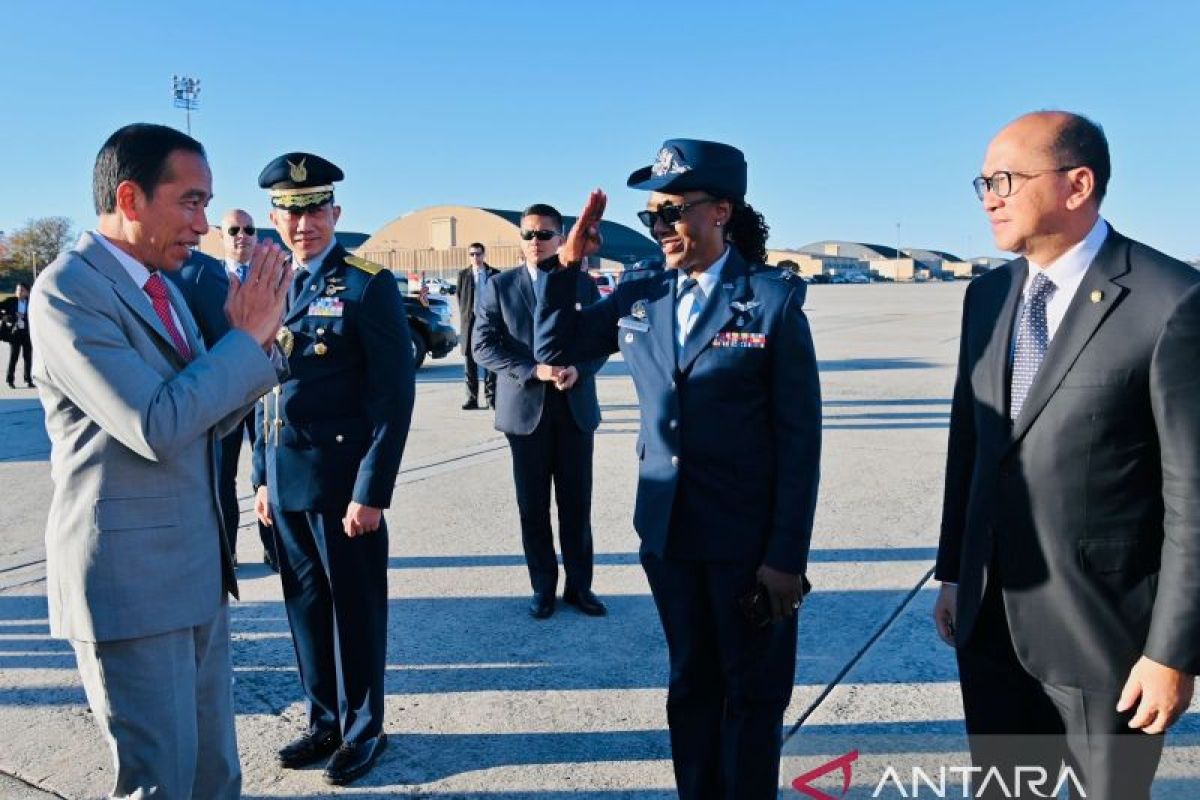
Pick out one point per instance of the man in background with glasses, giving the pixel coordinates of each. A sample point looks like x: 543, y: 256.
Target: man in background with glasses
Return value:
x: 471, y: 282
x: 204, y: 282
x: 1070, y: 541
x: 550, y: 416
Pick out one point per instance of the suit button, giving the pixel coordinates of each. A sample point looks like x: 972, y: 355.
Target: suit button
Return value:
x: 674, y: 461
x: 672, y: 386
x: 339, y: 438
x: 673, y: 424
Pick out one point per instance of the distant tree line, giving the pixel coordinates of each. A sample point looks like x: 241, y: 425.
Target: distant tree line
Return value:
x: 30, y: 248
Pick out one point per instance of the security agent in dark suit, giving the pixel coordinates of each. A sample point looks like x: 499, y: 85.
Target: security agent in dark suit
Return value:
x: 469, y: 298
x: 14, y: 320
x: 549, y: 415
x: 1070, y: 542
x: 326, y: 465
x: 204, y: 283
x: 722, y: 359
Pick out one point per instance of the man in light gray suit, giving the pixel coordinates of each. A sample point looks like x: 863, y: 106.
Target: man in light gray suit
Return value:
x: 138, y: 569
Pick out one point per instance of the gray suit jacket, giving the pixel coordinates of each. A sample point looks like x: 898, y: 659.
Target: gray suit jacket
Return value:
x: 133, y: 540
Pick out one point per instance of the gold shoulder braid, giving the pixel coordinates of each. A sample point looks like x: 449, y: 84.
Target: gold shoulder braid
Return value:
x: 368, y: 267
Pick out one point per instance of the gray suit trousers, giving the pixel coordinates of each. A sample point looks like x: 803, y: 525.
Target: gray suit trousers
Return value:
x: 165, y: 705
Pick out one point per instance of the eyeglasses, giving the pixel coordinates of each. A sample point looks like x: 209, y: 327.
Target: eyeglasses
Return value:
x: 1001, y: 183
x: 234, y: 230
x: 669, y: 214
x: 473, y: 253
x: 541, y: 236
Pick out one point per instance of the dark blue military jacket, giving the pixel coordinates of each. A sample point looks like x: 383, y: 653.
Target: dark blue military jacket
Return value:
x: 335, y: 430
x: 730, y: 438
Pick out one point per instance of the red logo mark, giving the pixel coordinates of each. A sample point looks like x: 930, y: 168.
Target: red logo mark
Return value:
x: 844, y: 762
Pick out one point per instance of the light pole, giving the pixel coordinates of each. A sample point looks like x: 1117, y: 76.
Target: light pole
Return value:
x: 185, y: 91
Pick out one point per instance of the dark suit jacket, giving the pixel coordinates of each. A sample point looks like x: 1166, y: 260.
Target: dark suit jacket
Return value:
x: 730, y: 439
x: 204, y: 284
x: 466, y: 304
x: 8, y: 321
x: 1089, y: 503
x: 504, y: 344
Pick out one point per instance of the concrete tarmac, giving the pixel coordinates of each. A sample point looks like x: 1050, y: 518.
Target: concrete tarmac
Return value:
x: 486, y: 703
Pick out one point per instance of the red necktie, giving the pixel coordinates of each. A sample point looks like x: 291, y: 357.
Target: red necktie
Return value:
x: 157, y: 289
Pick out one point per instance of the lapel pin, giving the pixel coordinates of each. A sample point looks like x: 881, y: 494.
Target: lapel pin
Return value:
x: 1097, y: 296
x: 638, y: 311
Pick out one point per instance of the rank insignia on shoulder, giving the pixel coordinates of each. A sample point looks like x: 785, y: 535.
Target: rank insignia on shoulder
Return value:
x: 368, y: 267
x: 286, y: 341
x: 638, y: 311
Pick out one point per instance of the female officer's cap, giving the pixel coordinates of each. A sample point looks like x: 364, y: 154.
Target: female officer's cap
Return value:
x: 691, y: 164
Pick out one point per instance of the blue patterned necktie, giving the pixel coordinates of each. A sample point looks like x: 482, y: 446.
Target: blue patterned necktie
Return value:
x: 241, y: 272
x: 1033, y: 337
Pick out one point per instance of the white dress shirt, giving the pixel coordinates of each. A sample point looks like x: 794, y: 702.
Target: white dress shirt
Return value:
x: 1066, y: 272
x: 707, y: 284
x: 138, y: 273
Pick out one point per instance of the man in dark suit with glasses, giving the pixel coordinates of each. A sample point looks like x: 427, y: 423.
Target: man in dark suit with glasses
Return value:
x: 1070, y: 541
x: 471, y: 282
x: 550, y: 415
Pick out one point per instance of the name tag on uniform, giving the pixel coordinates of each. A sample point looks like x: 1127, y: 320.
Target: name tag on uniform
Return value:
x: 739, y: 339
x: 633, y: 324
x: 325, y: 307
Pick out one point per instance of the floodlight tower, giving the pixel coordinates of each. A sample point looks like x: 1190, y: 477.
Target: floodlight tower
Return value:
x: 185, y: 92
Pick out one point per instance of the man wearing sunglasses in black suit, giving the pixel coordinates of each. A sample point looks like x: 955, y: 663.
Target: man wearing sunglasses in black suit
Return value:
x: 470, y: 291
x: 204, y: 282
x: 550, y: 415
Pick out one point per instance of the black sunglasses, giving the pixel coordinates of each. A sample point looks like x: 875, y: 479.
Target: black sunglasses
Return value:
x: 541, y: 236
x: 234, y: 230
x: 669, y: 214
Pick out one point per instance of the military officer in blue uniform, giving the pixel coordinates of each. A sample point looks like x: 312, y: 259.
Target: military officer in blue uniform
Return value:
x: 722, y: 359
x: 326, y: 463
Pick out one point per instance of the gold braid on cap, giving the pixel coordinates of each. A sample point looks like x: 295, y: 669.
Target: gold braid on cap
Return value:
x: 301, y: 198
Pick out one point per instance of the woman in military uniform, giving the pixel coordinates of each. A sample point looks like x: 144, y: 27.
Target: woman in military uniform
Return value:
x: 722, y: 358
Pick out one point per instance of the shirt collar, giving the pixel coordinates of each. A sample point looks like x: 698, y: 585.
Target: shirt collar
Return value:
x: 315, y: 265
x: 533, y: 273
x: 707, y: 279
x: 137, y: 271
x: 1070, y: 266
x: 232, y: 266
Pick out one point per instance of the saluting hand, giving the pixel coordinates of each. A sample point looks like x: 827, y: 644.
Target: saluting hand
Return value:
x: 584, y: 238
x: 257, y: 305
x: 361, y: 519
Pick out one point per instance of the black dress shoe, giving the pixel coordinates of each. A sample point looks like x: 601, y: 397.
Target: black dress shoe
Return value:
x: 470, y: 405
x: 541, y: 606
x: 352, y: 761
x: 309, y: 748
x: 586, y: 601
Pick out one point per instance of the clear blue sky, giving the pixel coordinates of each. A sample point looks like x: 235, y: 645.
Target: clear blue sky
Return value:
x: 854, y: 116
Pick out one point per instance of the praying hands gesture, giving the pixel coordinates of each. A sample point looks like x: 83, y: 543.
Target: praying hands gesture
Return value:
x: 257, y: 305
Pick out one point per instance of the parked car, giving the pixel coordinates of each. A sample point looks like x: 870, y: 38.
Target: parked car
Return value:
x: 857, y: 277
x: 440, y: 286
x: 821, y: 277
x: 428, y: 323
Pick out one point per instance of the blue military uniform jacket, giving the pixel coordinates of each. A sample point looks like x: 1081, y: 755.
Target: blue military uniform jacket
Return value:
x: 335, y: 431
x: 730, y: 439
